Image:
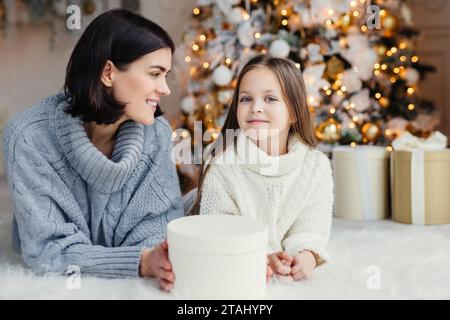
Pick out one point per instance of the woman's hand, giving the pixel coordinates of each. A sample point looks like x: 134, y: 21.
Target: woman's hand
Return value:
x: 155, y: 263
x: 269, y: 271
x: 280, y: 263
x: 303, y: 266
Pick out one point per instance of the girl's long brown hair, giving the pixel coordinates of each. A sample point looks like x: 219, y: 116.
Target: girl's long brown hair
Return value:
x: 294, y: 94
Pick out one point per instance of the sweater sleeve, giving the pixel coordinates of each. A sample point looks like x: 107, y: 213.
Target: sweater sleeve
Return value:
x: 311, y: 229
x: 50, y: 241
x: 215, y: 198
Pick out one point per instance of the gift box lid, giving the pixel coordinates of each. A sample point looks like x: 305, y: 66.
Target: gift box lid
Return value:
x: 373, y: 152
x: 435, y: 155
x: 217, y: 234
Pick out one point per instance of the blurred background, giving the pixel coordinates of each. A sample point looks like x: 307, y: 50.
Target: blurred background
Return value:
x: 406, y: 88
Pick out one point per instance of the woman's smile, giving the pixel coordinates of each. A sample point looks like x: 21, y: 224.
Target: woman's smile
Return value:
x: 152, y: 103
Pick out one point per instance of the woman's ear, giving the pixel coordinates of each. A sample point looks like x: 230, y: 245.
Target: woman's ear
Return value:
x: 107, y: 76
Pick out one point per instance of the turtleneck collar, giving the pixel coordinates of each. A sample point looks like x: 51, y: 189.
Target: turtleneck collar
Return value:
x: 260, y: 162
x: 105, y: 175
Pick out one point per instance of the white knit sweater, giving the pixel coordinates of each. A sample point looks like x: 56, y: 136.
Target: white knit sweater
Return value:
x: 292, y: 193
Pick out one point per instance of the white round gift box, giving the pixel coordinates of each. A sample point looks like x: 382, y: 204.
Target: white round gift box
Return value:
x: 218, y: 257
x: 361, y: 182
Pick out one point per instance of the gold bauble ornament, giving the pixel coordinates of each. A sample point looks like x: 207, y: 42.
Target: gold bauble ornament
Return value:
x: 227, y: 26
x: 389, y: 24
x: 89, y: 7
x: 344, y: 22
x: 329, y: 131
x: 294, y: 22
x: 381, y: 50
x: 334, y: 67
x: 2, y: 10
x: 260, y: 48
x: 384, y: 102
x: 370, y: 132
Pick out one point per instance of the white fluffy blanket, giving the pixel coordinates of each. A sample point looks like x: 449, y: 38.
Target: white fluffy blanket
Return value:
x: 371, y: 260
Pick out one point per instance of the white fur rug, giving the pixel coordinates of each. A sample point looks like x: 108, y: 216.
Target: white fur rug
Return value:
x: 410, y: 262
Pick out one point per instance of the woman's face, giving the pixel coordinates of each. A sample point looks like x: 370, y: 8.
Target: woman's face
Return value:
x: 142, y: 85
x: 262, y: 111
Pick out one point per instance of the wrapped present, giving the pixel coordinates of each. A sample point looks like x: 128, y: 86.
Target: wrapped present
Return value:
x: 218, y: 257
x: 361, y: 182
x: 420, y: 179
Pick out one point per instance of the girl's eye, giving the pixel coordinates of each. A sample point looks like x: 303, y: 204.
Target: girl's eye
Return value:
x: 156, y: 74
x: 245, y: 99
x: 271, y: 99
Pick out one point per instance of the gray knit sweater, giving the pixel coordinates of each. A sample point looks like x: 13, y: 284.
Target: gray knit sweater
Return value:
x: 75, y: 207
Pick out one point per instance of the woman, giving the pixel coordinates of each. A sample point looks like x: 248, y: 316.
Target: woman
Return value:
x: 89, y: 169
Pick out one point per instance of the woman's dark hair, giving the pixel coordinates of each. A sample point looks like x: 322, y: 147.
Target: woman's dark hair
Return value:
x: 119, y: 36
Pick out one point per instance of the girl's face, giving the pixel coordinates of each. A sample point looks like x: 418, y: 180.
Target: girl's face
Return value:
x: 142, y: 85
x: 262, y: 112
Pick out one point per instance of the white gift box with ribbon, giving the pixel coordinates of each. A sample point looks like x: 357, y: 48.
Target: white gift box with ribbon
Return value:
x: 361, y: 177
x: 218, y: 257
x: 420, y: 179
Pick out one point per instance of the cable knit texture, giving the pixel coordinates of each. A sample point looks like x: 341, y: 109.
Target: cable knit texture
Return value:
x: 292, y: 193
x: 74, y: 206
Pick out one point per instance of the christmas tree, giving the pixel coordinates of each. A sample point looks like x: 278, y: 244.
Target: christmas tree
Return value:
x: 357, y: 57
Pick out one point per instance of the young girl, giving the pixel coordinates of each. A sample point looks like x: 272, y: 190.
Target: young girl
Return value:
x: 270, y: 169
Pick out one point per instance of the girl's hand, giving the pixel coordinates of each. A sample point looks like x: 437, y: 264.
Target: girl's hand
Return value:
x: 155, y: 263
x: 280, y: 263
x: 303, y: 266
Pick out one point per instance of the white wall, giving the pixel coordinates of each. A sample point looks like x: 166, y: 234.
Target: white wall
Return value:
x: 431, y: 18
x: 30, y: 70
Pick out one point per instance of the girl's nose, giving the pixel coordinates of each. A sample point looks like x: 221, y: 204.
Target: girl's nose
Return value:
x: 257, y: 107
